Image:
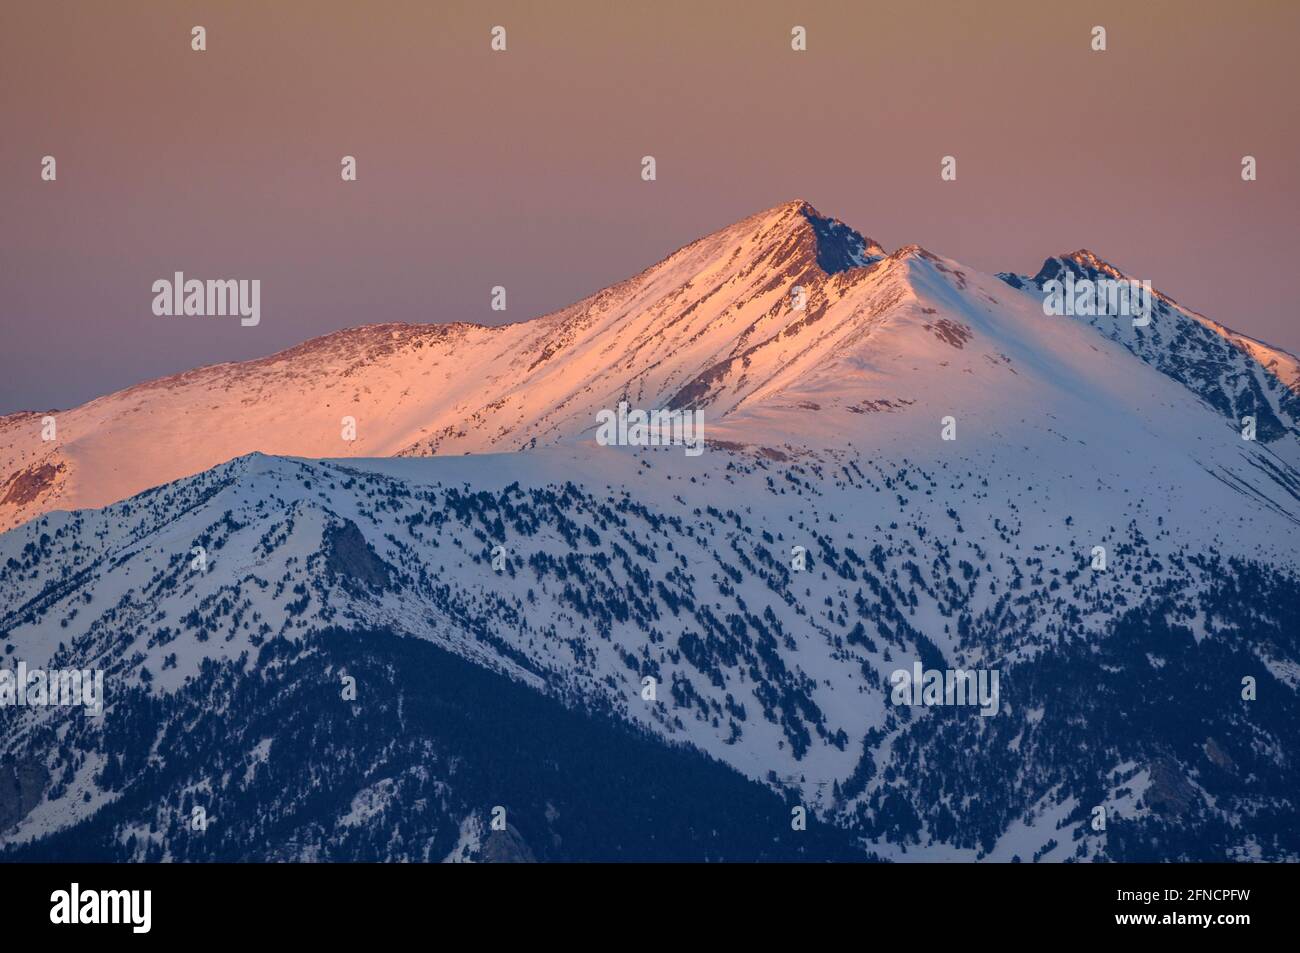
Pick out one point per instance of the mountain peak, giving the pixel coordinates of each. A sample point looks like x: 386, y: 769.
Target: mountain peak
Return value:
x: 1091, y: 261
x: 1083, y: 263
x: 839, y: 247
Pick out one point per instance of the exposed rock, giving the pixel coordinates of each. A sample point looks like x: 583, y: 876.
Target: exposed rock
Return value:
x: 506, y: 847
x: 1215, y: 753
x: 25, y: 486
x: 22, y: 783
x: 347, y: 554
x: 1170, y: 792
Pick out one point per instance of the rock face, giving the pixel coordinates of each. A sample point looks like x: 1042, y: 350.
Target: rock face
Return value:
x: 1170, y: 792
x: 348, y: 555
x: 507, y: 847
x: 22, y: 785
x: 27, y: 486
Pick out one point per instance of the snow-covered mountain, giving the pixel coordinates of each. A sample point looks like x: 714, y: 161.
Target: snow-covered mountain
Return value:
x: 444, y: 388
x: 714, y: 325
x: 829, y: 374
x: 1235, y: 374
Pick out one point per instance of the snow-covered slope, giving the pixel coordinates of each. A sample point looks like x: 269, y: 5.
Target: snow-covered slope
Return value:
x: 622, y: 564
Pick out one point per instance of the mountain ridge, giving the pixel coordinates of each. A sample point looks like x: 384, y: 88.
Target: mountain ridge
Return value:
x: 736, y: 323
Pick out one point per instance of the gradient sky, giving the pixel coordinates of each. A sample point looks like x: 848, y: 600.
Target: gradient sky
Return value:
x: 522, y: 169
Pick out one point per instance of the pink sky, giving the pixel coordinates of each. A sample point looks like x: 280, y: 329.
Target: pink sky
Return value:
x: 522, y: 169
